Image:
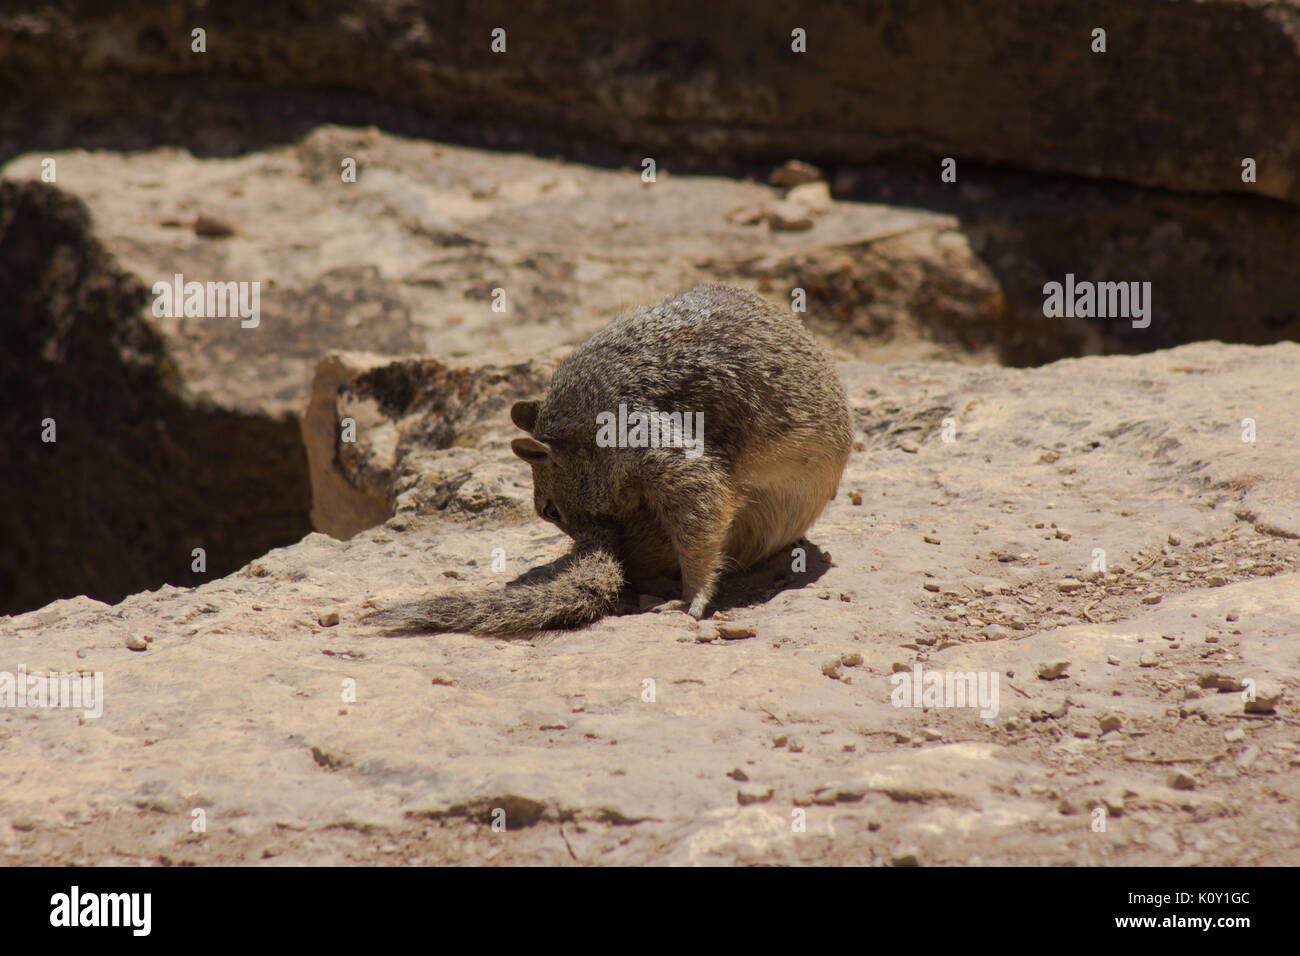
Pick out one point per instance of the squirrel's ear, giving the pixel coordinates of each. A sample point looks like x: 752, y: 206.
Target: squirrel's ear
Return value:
x: 524, y: 414
x: 530, y: 449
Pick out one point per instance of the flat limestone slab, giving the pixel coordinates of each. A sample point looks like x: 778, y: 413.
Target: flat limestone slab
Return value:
x: 639, y: 739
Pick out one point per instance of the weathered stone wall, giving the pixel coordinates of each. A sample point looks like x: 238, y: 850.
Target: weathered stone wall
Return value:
x: 1183, y: 92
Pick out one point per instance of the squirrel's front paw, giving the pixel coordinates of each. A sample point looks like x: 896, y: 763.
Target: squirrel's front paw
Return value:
x: 661, y: 606
x: 699, y: 607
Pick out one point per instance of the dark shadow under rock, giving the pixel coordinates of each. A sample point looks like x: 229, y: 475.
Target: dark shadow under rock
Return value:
x: 137, y: 476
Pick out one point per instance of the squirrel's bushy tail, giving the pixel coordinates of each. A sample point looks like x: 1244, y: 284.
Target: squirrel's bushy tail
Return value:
x: 584, y: 590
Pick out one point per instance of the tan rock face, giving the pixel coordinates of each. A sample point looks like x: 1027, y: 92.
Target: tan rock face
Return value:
x: 1021, y: 84
x: 414, y: 438
x: 321, y: 742
x: 200, y: 416
x: 471, y: 257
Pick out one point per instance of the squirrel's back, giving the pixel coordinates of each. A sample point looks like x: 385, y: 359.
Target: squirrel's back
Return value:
x: 751, y: 368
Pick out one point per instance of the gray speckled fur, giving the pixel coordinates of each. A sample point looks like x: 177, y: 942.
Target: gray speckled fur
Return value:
x: 776, y: 438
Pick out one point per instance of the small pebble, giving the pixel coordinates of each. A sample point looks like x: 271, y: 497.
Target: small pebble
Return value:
x: 788, y: 217
x: 736, y: 632
x: 1052, y: 670
x: 1215, y: 681
x: 1267, y: 695
x: 329, y: 619
x: 793, y: 173
x: 815, y: 197
x: 136, y: 643
x: 210, y: 227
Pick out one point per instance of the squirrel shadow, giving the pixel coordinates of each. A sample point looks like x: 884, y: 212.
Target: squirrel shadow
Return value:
x: 761, y: 582
x: 755, y: 585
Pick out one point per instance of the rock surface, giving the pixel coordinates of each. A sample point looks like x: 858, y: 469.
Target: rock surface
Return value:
x: 621, y: 743
x: 454, y: 252
x: 405, y: 260
x: 1182, y: 93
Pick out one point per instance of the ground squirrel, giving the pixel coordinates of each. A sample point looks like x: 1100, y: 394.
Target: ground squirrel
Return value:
x: 724, y: 490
